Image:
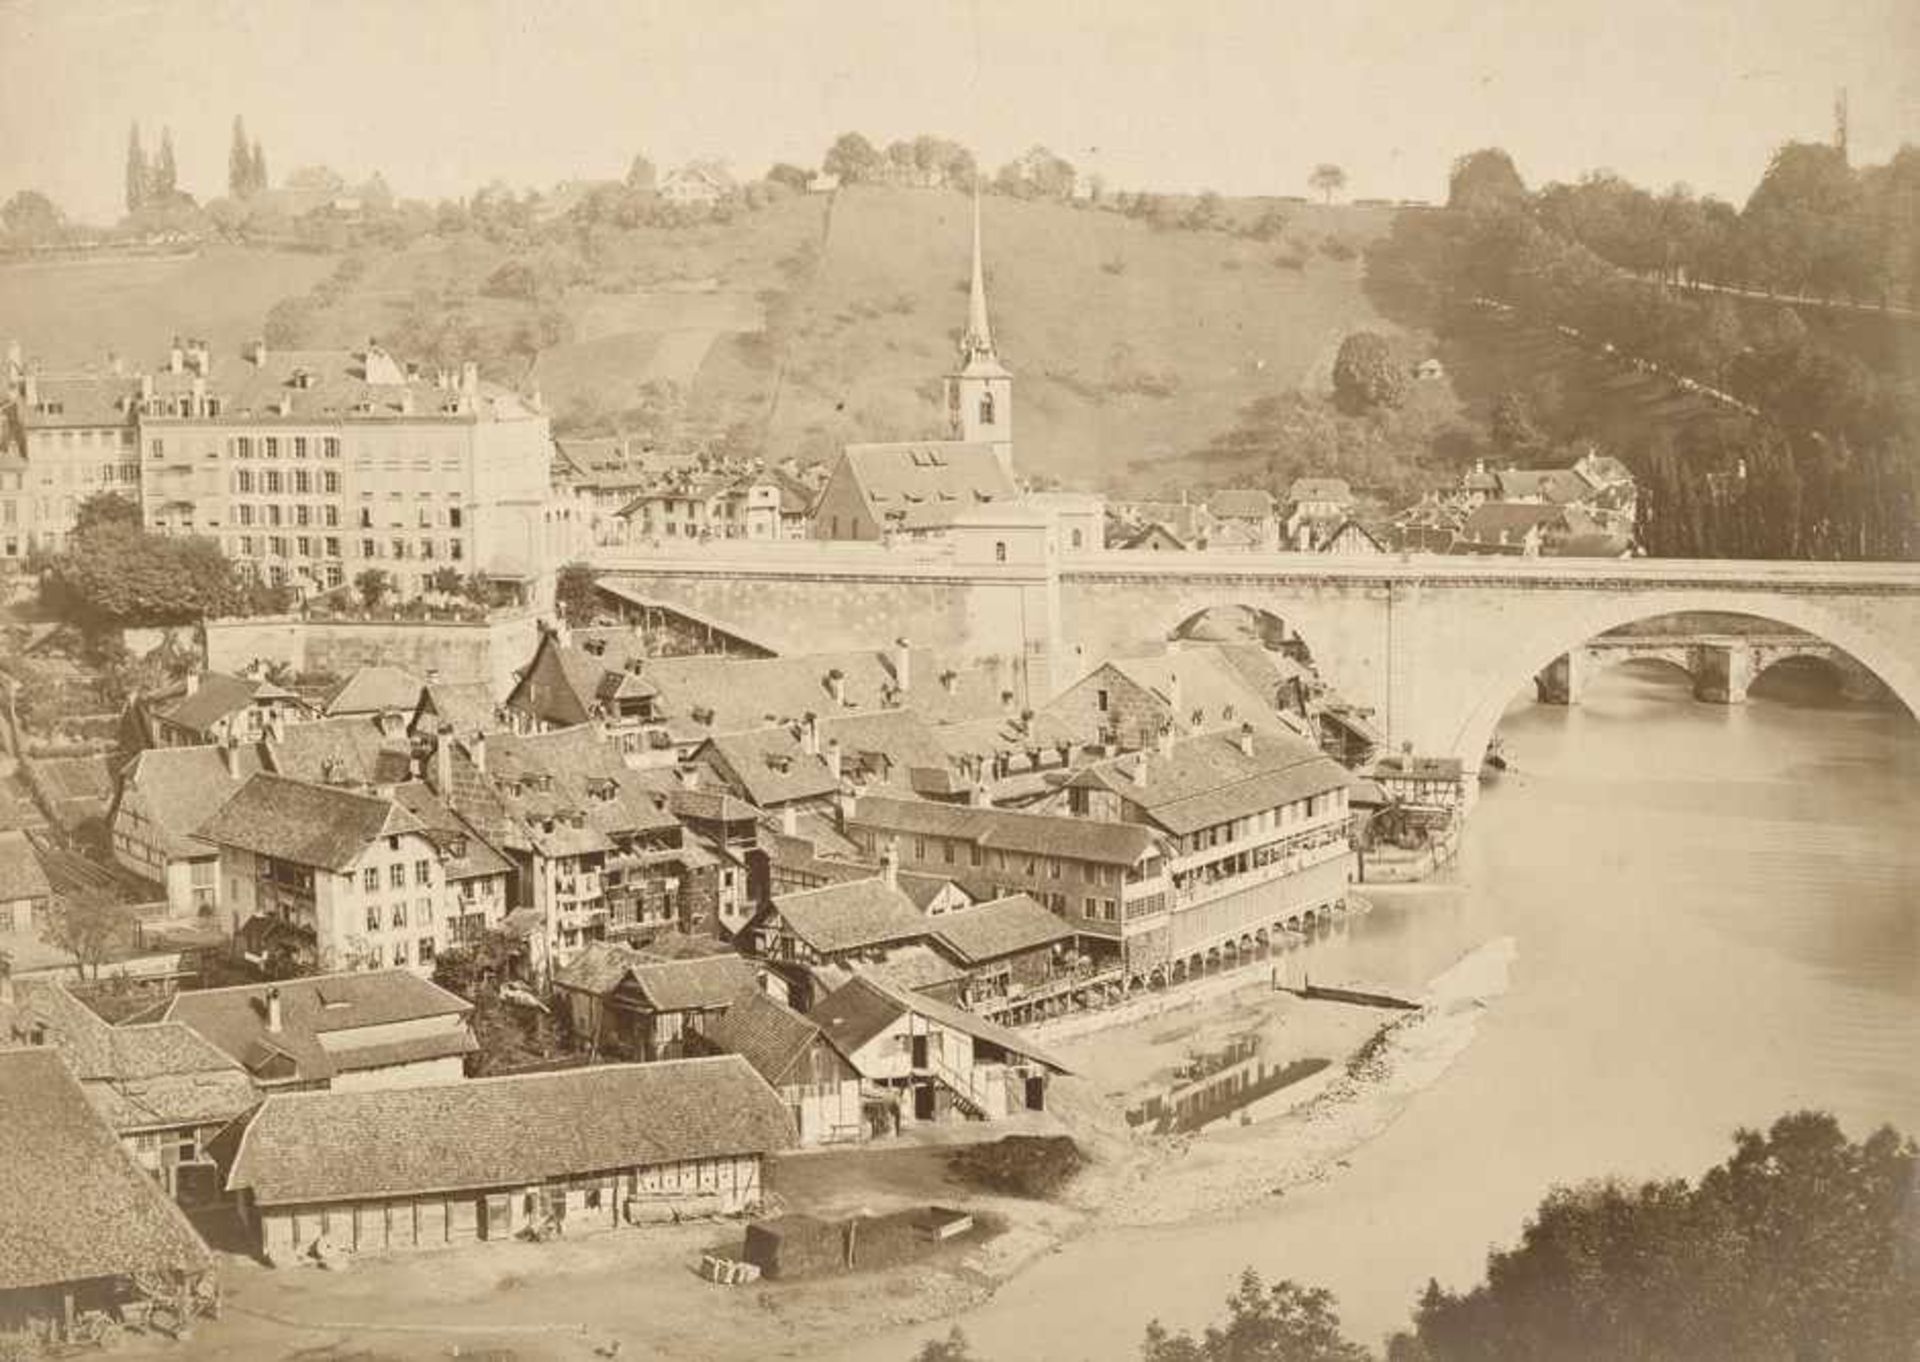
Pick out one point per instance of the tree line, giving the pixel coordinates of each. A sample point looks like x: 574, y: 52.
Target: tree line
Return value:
x: 1827, y: 469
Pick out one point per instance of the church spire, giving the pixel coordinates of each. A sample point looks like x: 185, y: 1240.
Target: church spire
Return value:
x: 978, y: 340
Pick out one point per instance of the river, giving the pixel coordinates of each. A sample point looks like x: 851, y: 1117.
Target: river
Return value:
x: 1717, y: 918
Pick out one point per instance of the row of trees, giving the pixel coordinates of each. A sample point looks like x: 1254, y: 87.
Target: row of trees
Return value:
x: 925, y: 159
x: 246, y: 163
x: 1827, y: 469
x: 151, y: 183
x: 1798, y: 1247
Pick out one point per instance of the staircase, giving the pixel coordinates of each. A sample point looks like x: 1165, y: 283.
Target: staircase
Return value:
x: 966, y: 1095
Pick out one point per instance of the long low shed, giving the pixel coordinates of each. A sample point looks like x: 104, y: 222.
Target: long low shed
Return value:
x: 580, y: 1151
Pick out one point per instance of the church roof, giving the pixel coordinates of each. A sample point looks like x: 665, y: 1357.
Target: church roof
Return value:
x: 925, y: 484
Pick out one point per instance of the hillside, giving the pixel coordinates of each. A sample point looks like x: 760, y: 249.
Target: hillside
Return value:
x: 806, y: 323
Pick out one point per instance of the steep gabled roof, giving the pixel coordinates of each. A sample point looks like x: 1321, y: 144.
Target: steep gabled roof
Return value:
x: 77, y: 1207
x: 1208, y: 779
x: 21, y: 876
x: 1000, y: 927
x: 865, y: 1006
x: 311, y: 825
x: 505, y: 1132
x: 923, y: 485
x: 1008, y: 829
x: 374, y: 688
x: 852, y: 915
x: 178, y: 788
x: 1241, y: 503
x: 767, y: 1034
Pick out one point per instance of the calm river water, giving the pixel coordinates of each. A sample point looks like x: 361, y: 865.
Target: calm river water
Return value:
x: 1717, y: 913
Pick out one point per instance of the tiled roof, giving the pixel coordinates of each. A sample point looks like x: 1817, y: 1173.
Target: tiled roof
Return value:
x: 1559, y: 486
x: 77, y: 1207
x: 334, y: 1005
x: 311, y: 825
x: 20, y: 874
x: 1208, y: 779
x: 466, y: 705
x: 72, y: 789
x: 1153, y: 533
x: 1008, y: 926
x: 585, y: 775
x: 851, y: 916
x: 179, y: 788
x: 684, y: 985
x: 1007, y: 829
x: 771, y: 766
x: 1490, y: 519
x: 745, y: 693
x: 864, y: 1007
x: 213, y: 698
x: 923, y: 889
x: 372, y: 689
x: 924, y: 484
x: 348, y: 750
x: 448, y: 831
x: 916, y: 966
x: 82, y: 400
x: 768, y: 1035
x: 337, y: 383
x: 505, y: 1132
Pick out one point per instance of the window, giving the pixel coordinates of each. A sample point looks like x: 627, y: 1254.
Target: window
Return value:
x: 368, y: 549
x: 946, y: 851
x: 335, y: 574
x: 302, y: 482
x: 243, y: 447
x: 399, y: 548
x: 243, y: 514
x: 245, y: 546
x: 330, y: 516
x: 270, y: 447
x: 424, y: 950
x: 277, y: 546
x: 400, y: 954
x: 373, y: 917
x: 329, y: 447
x: 304, y: 546
x: 330, y: 480
x: 986, y: 409
x: 370, y: 879
x: 974, y: 855
x: 999, y: 550
x: 270, y: 481
x: 453, y: 517
x: 243, y: 481
x: 397, y: 876
x: 422, y: 872
x: 1100, y: 701
x: 399, y: 914
x: 158, y: 448
x: 332, y: 547
x: 299, y: 446
x: 366, y: 517
x: 426, y: 548
x: 919, y: 848
x: 423, y: 912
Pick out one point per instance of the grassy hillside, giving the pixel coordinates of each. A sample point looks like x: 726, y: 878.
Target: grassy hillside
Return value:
x: 1126, y: 342
x: 815, y: 321
x: 69, y: 313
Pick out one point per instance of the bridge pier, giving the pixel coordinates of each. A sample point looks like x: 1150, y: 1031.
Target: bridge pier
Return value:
x: 1722, y: 672
x: 1563, y: 681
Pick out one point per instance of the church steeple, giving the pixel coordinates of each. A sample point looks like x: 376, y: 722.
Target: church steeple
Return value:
x: 978, y: 339
x: 980, y: 394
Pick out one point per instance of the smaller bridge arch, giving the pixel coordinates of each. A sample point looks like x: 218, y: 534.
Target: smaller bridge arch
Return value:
x: 1818, y: 630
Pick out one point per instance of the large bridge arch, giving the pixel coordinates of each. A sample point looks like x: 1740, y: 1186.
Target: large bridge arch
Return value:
x: 1512, y: 668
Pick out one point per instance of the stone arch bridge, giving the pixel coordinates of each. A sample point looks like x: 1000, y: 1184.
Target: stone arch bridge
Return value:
x: 1721, y: 666
x: 1436, y: 647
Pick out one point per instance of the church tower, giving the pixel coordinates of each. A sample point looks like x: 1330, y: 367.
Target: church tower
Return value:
x: 980, y: 391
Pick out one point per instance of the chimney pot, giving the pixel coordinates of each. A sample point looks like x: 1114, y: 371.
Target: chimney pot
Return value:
x: 890, y: 864
x: 902, y: 664
x: 273, y: 1010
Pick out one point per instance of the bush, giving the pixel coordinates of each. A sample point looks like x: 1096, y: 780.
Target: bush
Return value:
x: 1033, y: 1166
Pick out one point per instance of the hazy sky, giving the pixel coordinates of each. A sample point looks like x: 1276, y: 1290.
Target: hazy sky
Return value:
x: 1237, y: 95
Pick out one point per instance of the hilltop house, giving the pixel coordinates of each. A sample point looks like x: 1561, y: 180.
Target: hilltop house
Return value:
x: 1319, y: 506
x: 212, y: 707
x: 585, y: 1149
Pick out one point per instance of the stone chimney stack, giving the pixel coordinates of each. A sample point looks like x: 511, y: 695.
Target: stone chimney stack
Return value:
x: 810, y: 733
x: 176, y: 358
x: 1246, y: 740
x: 230, y: 757
x: 1165, y: 741
x: 146, y: 387
x: 837, y: 686
x: 833, y: 758
x: 443, y: 762
x: 256, y: 353
x: 273, y: 1010
x: 193, y: 682
x: 790, y: 820
x: 1173, y: 693
x: 890, y: 864
x: 477, y: 751
x: 902, y: 664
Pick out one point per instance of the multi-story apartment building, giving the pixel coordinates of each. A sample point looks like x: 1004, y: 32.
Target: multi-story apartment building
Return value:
x: 1106, y: 879
x: 359, y: 872
x: 311, y: 466
x: 71, y: 435
x: 1255, y: 826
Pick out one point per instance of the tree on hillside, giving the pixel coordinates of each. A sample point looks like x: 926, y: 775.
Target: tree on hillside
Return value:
x: 88, y: 926
x: 257, y: 167
x: 137, y: 172
x: 1798, y: 1247
x: 1511, y: 424
x: 851, y: 157
x: 290, y: 323
x: 240, y: 162
x: 1328, y: 179
x: 117, y: 574
x: 166, y: 175
x: 1285, y: 1322
x: 641, y: 175
x: 953, y: 1348
x: 31, y: 217
x: 792, y: 176
x: 1366, y: 375
x: 1805, y: 227
x: 374, y: 585
x: 1485, y: 179
x: 1207, y: 213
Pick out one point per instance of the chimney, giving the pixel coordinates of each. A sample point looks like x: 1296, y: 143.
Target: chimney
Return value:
x: 146, y: 387
x: 31, y: 387
x: 256, y: 353
x: 193, y: 682
x: 790, y: 820
x: 949, y: 680
x: 1246, y: 740
x: 477, y: 751
x: 1165, y: 741
x: 1173, y: 692
x: 833, y: 758
x: 230, y: 757
x: 890, y: 864
x: 902, y: 664
x: 116, y: 365
x: 470, y: 378
x: 810, y: 733
x: 837, y: 686
x: 273, y: 1010
x: 175, y: 357
x: 199, y: 395
x: 443, y: 763
x: 201, y: 357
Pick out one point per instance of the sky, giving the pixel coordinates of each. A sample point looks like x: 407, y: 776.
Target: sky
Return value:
x: 1241, y: 96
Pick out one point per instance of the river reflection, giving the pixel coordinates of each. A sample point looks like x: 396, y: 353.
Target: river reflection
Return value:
x: 1717, y: 912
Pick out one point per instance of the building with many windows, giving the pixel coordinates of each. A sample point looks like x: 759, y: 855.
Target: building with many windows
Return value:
x: 70, y: 435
